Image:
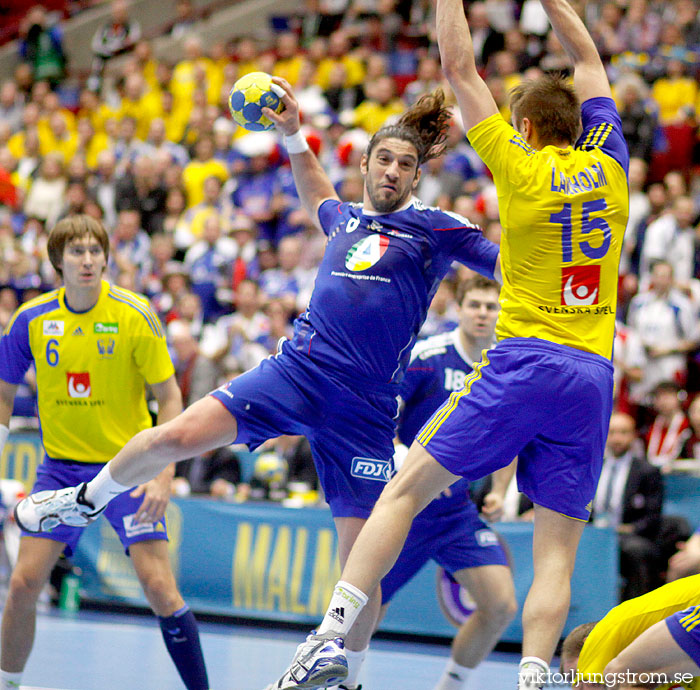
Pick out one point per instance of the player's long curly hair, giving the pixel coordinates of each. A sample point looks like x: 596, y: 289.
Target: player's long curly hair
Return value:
x: 424, y: 125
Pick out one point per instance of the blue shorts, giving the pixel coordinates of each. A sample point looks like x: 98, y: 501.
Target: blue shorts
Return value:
x: 350, y: 430
x: 455, y: 541
x: 684, y: 627
x: 546, y: 403
x: 120, y: 511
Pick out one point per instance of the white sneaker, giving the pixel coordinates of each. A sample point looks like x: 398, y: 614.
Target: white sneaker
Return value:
x: 44, y: 510
x: 319, y: 662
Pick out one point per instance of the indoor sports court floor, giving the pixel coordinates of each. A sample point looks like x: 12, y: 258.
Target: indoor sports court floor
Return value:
x: 101, y: 651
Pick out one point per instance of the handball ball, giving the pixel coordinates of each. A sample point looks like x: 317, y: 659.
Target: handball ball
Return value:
x: 270, y: 468
x: 249, y: 95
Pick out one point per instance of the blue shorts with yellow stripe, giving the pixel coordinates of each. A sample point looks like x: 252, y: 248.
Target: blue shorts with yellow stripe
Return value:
x: 684, y: 627
x: 546, y: 403
x: 120, y: 511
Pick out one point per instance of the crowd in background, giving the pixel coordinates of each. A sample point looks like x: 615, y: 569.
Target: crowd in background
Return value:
x: 204, y: 218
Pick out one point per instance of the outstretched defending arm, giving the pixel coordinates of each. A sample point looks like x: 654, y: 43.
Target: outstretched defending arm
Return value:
x: 457, y: 57
x: 310, y: 178
x: 590, y: 79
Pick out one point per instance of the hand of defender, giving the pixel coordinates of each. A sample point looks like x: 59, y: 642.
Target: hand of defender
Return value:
x: 287, y: 121
x: 156, y: 495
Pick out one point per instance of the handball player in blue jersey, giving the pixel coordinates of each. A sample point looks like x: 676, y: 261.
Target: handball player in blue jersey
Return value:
x: 450, y: 531
x: 545, y: 392
x: 337, y: 380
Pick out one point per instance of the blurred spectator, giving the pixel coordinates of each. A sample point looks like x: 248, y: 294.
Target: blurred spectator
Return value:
x: 11, y: 105
x: 639, y: 118
x: 278, y: 326
x: 127, y: 146
x: 381, y: 105
x: 196, y: 374
x: 485, y: 39
x: 208, y: 263
x: 245, y: 265
x: 46, y: 195
x: 672, y: 238
x: 443, y: 314
x: 41, y: 47
x: 130, y: 246
x: 199, y: 169
x: 428, y: 78
x: 234, y: 338
x: 289, y: 278
x: 116, y: 36
x: 103, y: 186
x: 639, y: 208
x: 629, y: 360
x: 629, y: 499
x: 141, y: 190
x: 192, y: 223
x: 184, y: 18
x: 664, y: 319
x: 290, y: 61
x: 156, y: 142
x: 670, y: 428
x: 339, y: 54
x: 675, y: 93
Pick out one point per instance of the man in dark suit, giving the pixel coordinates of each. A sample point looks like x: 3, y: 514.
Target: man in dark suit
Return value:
x: 629, y: 498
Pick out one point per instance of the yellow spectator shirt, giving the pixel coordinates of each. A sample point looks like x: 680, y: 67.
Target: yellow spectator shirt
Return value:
x: 91, y: 369
x: 195, y: 173
x: 563, y: 212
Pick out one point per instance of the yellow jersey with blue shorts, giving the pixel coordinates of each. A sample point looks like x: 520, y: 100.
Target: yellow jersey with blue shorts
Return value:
x: 626, y: 622
x: 544, y: 392
x: 91, y: 369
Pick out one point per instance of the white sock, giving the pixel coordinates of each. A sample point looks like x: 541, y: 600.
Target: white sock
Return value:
x: 10, y: 681
x: 532, y: 674
x: 454, y: 677
x: 346, y: 603
x: 102, y: 489
x: 355, y: 661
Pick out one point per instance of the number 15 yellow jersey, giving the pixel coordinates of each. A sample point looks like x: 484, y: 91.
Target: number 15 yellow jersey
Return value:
x: 563, y: 212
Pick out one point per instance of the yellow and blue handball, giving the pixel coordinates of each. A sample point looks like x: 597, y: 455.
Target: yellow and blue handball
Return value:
x: 249, y: 95
x: 270, y: 469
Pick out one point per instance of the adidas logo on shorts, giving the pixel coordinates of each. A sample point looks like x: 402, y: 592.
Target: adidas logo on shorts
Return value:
x: 338, y: 613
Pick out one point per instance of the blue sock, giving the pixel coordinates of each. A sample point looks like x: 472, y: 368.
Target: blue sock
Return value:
x: 182, y: 640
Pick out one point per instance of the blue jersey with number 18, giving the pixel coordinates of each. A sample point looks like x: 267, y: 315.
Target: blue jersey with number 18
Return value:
x: 563, y: 213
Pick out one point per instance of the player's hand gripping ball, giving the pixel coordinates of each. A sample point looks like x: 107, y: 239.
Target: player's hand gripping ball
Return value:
x: 249, y: 95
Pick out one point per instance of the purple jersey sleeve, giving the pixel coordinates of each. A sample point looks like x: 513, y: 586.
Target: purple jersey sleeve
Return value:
x: 465, y: 242
x: 15, y: 352
x: 602, y: 129
x: 327, y: 212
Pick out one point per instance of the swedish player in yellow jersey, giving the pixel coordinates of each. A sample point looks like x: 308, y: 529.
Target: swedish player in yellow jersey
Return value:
x: 652, y: 634
x: 95, y: 347
x: 544, y: 393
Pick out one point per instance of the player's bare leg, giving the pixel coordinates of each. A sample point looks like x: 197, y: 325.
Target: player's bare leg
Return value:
x: 204, y: 425
x: 357, y: 640
x: 36, y: 559
x: 555, y: 541
x: 491, y: 587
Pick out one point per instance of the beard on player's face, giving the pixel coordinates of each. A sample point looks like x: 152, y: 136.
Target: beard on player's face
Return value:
x: 385, y: 199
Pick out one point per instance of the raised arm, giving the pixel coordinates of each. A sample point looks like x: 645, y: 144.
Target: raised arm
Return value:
x: 312, y: 183
x: 457, y: 57
x: 590, y: 79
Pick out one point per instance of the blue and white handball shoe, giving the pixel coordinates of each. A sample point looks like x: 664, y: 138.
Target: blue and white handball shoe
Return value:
x: 44, y: 510
x: 319, y: 662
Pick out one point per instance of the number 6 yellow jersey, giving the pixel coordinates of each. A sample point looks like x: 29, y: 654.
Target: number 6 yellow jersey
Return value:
x: 563, y: 212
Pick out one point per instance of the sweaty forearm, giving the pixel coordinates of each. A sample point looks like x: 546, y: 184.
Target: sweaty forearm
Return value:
x: 454, y: 39
x: 571, y: 32
x: 312, y: 183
